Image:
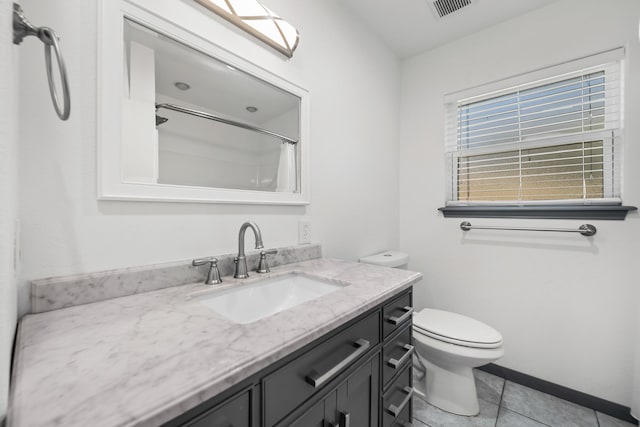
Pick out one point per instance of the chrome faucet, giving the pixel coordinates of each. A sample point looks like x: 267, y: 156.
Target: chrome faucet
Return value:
x: 241, y: 260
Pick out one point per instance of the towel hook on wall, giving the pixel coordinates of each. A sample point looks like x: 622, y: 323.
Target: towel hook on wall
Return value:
x: 23, y: 28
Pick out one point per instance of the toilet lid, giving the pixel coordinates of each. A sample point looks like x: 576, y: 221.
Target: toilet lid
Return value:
x: 456, y: 329
x: 387, y: 259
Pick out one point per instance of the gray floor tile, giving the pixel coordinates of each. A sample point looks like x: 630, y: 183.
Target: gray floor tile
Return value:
x: 489, y: 386
x: 609, y: 421
x: 545, y: 408
x: 417, y: 423
x: 506, y: 418
x: 435, y: 417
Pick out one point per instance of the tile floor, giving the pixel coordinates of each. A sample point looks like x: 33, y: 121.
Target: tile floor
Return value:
x: 507, y: 404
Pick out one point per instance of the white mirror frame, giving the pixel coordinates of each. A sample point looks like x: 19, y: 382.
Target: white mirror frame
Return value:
x: 180, y: 27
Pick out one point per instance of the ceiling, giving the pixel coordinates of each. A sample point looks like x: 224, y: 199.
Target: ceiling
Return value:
x: 410, y: 27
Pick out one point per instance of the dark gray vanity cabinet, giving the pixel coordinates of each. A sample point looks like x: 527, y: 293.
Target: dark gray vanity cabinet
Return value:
x: 235, y: 411
x: 314, y: 417
x: 358, y: 375
x: 396, y: 400
x: 297, y: 381
x: 359, y: 397
x: 397, y: 365
x: 354, y: 403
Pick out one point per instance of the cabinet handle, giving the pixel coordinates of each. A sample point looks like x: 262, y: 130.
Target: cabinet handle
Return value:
x: 395, y: 410
x: 394, y: 363
x: 345, y: 419
x: 317, y: 380
x: 397, y: 320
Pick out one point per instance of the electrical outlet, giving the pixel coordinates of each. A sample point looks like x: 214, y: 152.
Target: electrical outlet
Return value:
x: 304, y: 232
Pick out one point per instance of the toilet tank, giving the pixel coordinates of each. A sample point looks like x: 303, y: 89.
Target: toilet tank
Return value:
x: 393, y: 259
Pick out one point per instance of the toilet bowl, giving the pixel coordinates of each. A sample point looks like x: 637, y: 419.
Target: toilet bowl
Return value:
x: 449, y: 346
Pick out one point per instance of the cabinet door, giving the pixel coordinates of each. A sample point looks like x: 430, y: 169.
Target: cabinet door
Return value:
x: 314, y: 417
x: 321, y: 414
x: 235, y: 412
x: 358, y: 396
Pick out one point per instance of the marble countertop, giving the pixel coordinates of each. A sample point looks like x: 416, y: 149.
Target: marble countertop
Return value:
x: 144, y: 359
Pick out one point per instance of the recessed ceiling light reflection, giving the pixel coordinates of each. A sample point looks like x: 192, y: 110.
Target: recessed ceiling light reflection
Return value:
x: 182, y: 85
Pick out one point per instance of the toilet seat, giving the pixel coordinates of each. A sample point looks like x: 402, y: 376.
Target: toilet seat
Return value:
x: 455, y: 329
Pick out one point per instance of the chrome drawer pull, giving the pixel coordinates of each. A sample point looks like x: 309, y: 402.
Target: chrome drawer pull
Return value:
x: 345, y: 419
x: 394, y: 363
x: 397, y: 320
x: 395, y: 410
x: 317, y: 380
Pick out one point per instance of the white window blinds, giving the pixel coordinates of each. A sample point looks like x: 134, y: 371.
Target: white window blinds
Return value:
x: 553, y: 140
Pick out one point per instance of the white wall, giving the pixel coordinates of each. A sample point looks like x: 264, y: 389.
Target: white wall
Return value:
x: 8, y: 197
x: 565, y: 305
x: 354, y: 85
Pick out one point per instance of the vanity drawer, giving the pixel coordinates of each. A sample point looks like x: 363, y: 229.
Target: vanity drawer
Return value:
x: 396, y: 313
x: 291, y: 385
x: 404, y: 419
x: 396, y: 354
x: 397, y: 400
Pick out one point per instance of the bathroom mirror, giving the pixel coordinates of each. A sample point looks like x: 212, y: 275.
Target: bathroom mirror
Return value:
x: 194, y: 122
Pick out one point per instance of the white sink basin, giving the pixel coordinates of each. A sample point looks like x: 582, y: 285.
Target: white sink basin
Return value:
x: 248, y: 303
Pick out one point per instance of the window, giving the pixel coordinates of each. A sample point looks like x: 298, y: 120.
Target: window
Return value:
x: 554, y: 138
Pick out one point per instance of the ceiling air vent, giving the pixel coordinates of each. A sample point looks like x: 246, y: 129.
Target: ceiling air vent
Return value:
x: 442, y: 8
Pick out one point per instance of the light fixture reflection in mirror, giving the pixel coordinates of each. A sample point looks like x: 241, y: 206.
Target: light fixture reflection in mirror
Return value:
x: 259, y: 21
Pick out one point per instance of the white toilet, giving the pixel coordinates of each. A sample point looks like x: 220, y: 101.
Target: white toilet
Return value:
x: 448, y: 346
x: 393, y: 259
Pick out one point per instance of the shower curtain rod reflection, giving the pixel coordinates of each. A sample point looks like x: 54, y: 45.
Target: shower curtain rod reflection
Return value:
x: 208, y: 116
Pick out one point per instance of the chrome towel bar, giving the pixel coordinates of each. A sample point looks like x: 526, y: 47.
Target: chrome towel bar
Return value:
x: 584, y: 229
x: 23, y: 28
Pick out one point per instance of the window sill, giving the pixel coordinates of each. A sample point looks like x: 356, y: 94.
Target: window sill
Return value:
x: 594, y: 212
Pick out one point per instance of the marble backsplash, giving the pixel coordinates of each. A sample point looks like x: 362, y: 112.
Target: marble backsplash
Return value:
x: 67, y: 291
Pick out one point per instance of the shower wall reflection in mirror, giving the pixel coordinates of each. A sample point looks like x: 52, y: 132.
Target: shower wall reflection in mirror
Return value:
x: 192, y: 120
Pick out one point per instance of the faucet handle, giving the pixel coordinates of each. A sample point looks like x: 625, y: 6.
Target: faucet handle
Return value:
x: 263, y: 266
x: 213, y: 277
x: 202, y: 261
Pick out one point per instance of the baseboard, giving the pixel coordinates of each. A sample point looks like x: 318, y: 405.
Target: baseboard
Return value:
x: 597, y: 404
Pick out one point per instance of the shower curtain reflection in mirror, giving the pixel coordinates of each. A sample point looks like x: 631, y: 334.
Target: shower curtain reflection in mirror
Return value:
x: 287, y: 168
